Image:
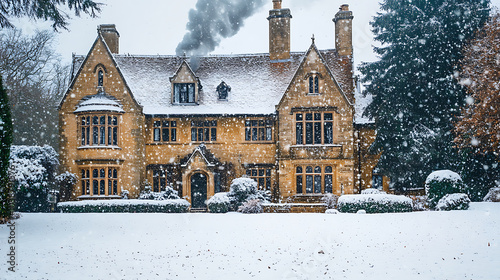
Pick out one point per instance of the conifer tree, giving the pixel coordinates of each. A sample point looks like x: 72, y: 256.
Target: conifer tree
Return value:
x: 415, y: 93
x: 5, y: 142
x: 45, y: 9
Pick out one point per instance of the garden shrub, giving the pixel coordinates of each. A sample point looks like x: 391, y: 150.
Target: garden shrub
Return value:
x: 374, y: 203
x: 419, y: 203
x: 454, y: 201
x: 168, y: 193
x: 244, y: 189
x: 253, y: 206
x: 493, y: 195
x: 330, y: 200
x: 219, y: 203
x: 440, y: 183
x: 125, y: 206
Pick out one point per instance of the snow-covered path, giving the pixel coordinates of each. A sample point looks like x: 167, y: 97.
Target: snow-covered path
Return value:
x: 421, y: 245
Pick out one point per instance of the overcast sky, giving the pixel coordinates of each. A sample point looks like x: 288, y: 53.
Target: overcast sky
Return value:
x: 157, y: 26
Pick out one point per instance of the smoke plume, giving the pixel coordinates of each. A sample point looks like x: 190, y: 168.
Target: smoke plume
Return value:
x: 212, y: 21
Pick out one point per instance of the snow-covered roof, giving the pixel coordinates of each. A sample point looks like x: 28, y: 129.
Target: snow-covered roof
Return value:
x: 257, y: 85
x: 99, y: 102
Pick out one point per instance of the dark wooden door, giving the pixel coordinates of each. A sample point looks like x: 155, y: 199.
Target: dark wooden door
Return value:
x: 198, y: 190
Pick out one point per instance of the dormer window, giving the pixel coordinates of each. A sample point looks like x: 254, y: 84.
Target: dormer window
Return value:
x: 223, y: 90
x: 100, y: 78
x: 184, y: 93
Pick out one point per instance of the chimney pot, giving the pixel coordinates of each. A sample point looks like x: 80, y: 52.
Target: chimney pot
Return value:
x: 344, y: 7
x: 277, y: 4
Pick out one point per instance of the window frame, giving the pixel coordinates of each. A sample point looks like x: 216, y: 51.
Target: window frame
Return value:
x: 204, y: 131
x: 99, y: 180
x: 312, y: 179
x: 98, y: 130
x: 164, y: 131
x: 314, y: 128
x: 190, y: 96
x: 266, y: 176
x: 259, y: 130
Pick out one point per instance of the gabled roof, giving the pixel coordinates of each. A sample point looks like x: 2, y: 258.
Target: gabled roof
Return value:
x: 340, y: 72
x: 257, y: 85
x: 205, y: 153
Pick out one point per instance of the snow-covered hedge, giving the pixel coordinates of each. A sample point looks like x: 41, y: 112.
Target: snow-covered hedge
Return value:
x: 374, y: 203
x: 219, y: 203
x: 493, y: 195
x: 372, y: 191
x: 253, y: 206
x: 440, y: 183
x: 125, y: 206
x: 454, y: 201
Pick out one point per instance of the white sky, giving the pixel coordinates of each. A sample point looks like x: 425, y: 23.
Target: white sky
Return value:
x: 157, y: 26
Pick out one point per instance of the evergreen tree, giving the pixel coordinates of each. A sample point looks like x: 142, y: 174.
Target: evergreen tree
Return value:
x: 5, y: 142
x: 415, y: 93
x: 45, y: 9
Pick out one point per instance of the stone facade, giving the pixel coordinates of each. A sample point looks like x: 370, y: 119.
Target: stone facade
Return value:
x: 284, y: 119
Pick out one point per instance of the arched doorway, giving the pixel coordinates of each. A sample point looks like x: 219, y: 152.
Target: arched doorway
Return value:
x: 198, y: 190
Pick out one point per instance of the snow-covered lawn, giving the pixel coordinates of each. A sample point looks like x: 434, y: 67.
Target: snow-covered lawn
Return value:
x: 419, y: 245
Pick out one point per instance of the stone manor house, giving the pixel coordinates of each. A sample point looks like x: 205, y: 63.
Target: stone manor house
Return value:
x: 285, y: 119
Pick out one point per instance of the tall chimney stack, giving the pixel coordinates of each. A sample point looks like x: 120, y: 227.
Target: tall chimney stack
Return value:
x: 110, y: 36
x: 343, y: 30
x: 279, y: 32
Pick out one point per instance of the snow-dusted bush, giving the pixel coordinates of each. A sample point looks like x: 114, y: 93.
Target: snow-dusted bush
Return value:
x: 332, y: 211
x: 32, y: 173
x: 454, y: 201
x: 253, y: 206
x: 125, y: 206
x: 168, y: 193
x: 372, y: 191
x: 245, y: 189
x: 493, y: 195
x: 374, y: 203
x: 330, y: 200
x: 219, y: 203
x: 440, y: 183
x: 124, y: 194
x: 419, y: 203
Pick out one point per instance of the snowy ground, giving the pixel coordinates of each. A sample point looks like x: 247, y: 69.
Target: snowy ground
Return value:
x: 421, y: 245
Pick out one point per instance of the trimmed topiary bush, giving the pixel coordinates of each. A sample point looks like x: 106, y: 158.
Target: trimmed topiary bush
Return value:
x: 493, y: 195
x: 374, y: 203
x: 454, y: 201
x: 125, y: 206
x: 219, y: 203
x: 253, y: 206
x: 440, y: 183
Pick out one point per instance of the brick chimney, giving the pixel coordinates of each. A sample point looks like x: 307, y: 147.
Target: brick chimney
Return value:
x: 343, y: 30
x: 110, y: 36
x: 279, y: 32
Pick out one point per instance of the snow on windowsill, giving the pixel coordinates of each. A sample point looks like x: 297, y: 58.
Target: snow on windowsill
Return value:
x: 87, y: 196
x: 99, y: 147
x: 315, y: 145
